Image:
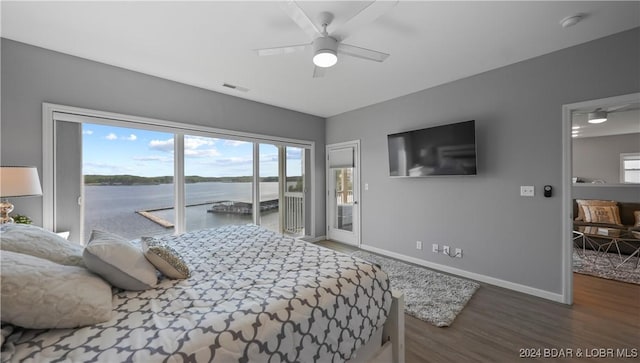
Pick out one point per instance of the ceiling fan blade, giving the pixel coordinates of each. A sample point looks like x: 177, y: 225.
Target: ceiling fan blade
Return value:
x: 282, y: 50
x: 318, y: 72
x: 363, y: 53
x: 299, y: 17
x: 367, y: 15
x: 616, y: 108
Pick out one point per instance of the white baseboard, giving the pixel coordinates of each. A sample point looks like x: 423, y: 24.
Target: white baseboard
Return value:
x: 470, y: 275
x: 313, y: 239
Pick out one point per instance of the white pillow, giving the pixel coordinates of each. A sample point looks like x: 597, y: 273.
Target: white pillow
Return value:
x: 40, y: 294
x: 35, y: 241
x: 119, y: 262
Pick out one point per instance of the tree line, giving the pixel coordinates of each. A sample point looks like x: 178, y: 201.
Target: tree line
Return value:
x: 144, y: 180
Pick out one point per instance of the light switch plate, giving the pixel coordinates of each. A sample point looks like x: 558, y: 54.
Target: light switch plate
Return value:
x: 527, y: 191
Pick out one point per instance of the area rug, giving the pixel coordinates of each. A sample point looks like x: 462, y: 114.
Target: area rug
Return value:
x: 428, y: 295
x: 589, y: 262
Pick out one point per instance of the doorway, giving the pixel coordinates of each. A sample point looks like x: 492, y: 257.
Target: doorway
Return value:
x: 343, y: 192
x: 570, y: 181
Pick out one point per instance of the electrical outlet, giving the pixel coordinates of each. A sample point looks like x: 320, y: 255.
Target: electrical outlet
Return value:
x: 527, y: 191
x: 458, y: 253
x: 435, y: 248
x: 445, y: 250
x: 419, y: 245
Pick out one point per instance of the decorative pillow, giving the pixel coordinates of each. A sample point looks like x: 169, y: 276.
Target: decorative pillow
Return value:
x: 35, y: 241
x: 40, y: 294
x: 119, y: 262
x: 636, y: 214
x: 601, y: 214
x: 165, y: 258
x: 585, y: 202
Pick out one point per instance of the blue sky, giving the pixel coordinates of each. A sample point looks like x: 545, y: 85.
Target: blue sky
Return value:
x: 109, y: 150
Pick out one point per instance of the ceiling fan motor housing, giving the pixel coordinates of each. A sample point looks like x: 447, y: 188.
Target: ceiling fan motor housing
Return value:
x: 325, y: 51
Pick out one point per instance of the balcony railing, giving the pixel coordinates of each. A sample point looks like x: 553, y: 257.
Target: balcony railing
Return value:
x: 293, y: 218
x: 344, y: 197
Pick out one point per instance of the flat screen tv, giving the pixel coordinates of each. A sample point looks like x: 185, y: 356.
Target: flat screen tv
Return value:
x: 440, y: 150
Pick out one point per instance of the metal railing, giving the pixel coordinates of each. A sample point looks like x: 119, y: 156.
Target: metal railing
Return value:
x: 344, y: 197
x: 293, y: 212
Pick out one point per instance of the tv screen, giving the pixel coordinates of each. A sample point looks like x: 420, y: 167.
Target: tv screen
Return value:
x: 439, y: 150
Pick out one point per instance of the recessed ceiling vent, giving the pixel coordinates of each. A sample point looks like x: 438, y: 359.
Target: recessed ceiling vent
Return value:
x: 234, y: 87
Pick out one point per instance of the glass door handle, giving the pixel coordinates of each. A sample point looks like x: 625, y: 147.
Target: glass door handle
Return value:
x: 355, y: 202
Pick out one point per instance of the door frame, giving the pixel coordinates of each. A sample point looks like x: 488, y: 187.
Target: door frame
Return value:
x: 357, y: 228
x: 567, y: 184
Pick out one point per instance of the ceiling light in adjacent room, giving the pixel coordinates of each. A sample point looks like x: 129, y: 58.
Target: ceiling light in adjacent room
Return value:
x: 597, y: 117
x: 575, y: 127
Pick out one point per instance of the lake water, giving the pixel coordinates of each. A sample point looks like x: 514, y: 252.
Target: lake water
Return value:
x: 113, y: 207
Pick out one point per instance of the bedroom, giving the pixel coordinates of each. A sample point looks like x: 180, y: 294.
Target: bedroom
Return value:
x: 507, y: 239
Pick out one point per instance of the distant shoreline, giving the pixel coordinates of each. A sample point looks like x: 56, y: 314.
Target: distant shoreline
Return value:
x: 131, y: 180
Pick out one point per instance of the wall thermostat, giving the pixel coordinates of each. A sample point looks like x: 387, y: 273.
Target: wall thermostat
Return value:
x: 547, y: 190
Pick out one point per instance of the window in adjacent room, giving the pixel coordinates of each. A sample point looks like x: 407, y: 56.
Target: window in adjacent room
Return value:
x: 630, y: 168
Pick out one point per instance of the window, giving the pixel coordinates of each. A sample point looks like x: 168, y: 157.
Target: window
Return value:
x: 136, y: 176
x: 128, y: 181
x: 630, y: 168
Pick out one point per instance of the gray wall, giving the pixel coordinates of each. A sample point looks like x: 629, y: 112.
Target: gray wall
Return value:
x: 31, y: 76
x: 518, y: 113
x: 598, y: 158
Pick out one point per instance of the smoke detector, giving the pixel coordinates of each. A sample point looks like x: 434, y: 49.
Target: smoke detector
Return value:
x: 571, y: 20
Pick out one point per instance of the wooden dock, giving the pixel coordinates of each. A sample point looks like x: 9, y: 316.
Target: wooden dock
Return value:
x: 154, y: 218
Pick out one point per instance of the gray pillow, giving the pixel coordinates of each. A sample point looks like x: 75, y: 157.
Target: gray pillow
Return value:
x: 35, y: 241
x: 119, y: 262
x: 40, y: 294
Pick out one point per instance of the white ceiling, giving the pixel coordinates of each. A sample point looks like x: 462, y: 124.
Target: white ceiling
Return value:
x: 206, y: 44
x: 621, y: 119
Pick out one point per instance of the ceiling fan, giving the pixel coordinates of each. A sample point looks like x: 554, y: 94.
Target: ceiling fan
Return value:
x: 600, y: 115
x: 326, y: 47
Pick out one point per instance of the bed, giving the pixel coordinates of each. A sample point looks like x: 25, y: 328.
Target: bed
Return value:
x: 253, y: 296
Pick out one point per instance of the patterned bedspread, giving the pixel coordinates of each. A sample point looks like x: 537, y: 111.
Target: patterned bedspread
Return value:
x: 253, y: 296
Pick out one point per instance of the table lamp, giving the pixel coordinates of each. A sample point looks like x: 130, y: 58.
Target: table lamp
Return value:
x: 17, y: 181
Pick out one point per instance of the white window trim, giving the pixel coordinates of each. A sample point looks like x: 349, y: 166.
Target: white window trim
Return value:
x: 54, y: 112
x: 623, y: 157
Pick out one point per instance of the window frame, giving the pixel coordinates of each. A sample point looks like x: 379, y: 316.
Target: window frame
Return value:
x: 51, y: 113
x: 624, y: 157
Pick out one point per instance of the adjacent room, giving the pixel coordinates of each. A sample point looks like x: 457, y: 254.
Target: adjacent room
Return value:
x: 319, y: 181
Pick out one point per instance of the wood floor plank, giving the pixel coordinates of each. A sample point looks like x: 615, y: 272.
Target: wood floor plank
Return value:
x: 497, y: 323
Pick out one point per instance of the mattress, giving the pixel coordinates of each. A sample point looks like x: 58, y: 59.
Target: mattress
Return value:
x: 253, y: 295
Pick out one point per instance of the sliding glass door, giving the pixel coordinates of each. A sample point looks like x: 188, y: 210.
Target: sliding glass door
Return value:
x: 218, y: 182
x: 130, y: 179
x: 127, y: 181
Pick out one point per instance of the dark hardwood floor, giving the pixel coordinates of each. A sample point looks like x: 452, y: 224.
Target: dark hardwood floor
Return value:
x: 500, y: 325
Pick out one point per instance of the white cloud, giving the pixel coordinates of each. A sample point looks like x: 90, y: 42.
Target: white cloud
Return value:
x: 234, y: 142
x: 111, y: 136
x: 194, y: 147
x: 100, y: 168
x: 162, y: 159
x: 131, y: 137
x: 87, y: 132
x: 194, y: 142
x: 162, y: 145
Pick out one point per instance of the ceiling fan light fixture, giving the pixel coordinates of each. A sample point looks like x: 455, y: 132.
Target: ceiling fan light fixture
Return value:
x: 325, y: 59
x: 597, y: 117
x: 325, y: 52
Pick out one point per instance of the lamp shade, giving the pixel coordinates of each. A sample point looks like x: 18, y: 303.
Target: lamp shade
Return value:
x: 19, y: 181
